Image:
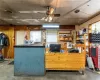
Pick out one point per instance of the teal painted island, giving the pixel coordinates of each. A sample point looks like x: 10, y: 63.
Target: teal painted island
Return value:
x: 29, y: 60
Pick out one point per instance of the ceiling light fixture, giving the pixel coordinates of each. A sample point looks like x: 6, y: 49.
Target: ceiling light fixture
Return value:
x: 46, y: 19
x: 49, y: 19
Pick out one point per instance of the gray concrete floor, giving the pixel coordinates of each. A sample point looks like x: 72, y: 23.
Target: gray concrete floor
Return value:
x: 7, y: 73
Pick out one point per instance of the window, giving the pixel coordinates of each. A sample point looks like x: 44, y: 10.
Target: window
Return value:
x: 35, y: 36
x: 20, y: 37
x: 51, y: 35
x: 96, y: 27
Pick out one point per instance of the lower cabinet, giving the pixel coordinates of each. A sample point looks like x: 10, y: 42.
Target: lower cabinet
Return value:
x: 54, y: 61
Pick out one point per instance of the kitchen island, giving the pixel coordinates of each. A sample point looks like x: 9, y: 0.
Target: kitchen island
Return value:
x: 29, y: 60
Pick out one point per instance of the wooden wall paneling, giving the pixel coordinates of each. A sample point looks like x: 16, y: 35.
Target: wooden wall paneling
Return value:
x: 70, y: 27
x: 39, y: 27
x: 18, y: 28
x: 10, y: 31
x: 11, y: 37
x: 28, y: 33
x: 8, y: 52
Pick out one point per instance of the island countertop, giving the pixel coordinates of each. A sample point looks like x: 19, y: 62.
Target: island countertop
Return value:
x: 33, y: 45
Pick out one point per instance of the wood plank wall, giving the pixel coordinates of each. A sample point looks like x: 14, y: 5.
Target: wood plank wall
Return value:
x: 10, y: 31
x: 8, y: 52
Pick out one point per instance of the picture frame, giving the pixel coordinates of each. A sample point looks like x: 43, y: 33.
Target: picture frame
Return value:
x: 69, y: 44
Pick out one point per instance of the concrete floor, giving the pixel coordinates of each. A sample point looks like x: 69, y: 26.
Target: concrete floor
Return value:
x: 6, y: 73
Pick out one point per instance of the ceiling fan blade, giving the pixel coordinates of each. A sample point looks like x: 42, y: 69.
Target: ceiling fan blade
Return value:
x: 39, y: 11
x: 56, y: 15
x: 32, y: 11
x: 51, y: 10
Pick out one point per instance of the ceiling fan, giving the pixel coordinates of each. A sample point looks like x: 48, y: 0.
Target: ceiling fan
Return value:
x: 48, y: 18
x: 49, y: 14
x: 50, y: 11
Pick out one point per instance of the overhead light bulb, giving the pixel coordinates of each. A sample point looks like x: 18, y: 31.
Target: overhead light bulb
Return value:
x: 46, y: 19
x: 43, y: 18
x: 50, y: 18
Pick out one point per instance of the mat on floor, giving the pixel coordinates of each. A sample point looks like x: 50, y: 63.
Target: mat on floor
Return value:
x: 11, y: 63
x: 98, y: 72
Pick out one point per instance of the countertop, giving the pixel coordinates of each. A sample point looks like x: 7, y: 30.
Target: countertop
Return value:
x: 30, y: 45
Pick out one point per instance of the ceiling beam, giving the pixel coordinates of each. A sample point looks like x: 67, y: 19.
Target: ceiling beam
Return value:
x: 90, y: 18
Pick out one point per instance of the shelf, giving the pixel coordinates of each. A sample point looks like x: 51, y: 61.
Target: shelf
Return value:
x: 62, y: 42
x: 79, y: 40
x: 64, y: 33
x: 66, y: 40
x: 80, y: 35
x: 80, y: 45
x: 83, y: 34
x: 67, y: 36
